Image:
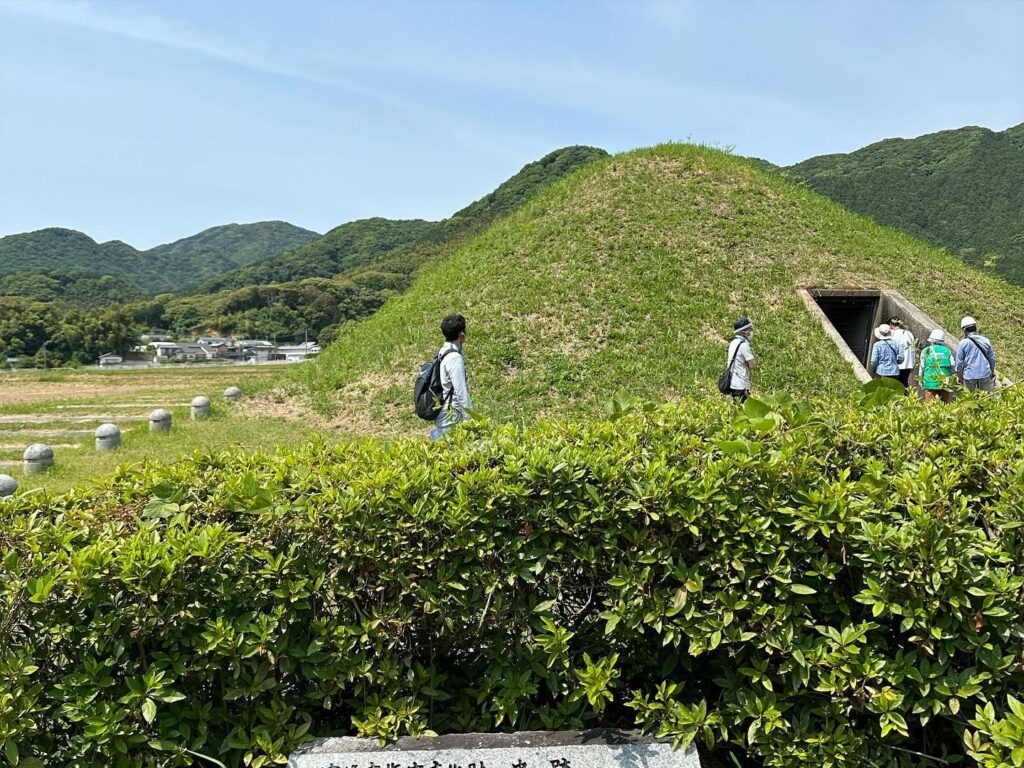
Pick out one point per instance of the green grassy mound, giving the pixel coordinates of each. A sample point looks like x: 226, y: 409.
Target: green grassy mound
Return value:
x: 792, y: 585
x: 628, y: 275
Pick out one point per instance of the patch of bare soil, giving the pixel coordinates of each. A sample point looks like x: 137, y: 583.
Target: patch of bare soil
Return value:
x: 355, y: 414
x: 277, y: 404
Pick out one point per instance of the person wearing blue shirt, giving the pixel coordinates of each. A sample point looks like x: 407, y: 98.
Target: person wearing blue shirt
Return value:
x: 975, y: 359
x: 886, y: 354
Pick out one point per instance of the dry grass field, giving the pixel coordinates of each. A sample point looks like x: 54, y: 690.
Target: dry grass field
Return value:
x: 62, y: 409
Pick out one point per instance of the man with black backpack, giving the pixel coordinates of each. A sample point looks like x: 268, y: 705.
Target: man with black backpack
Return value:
x: 735, y: 381
x: 441, y: 393
x: 975, y: 359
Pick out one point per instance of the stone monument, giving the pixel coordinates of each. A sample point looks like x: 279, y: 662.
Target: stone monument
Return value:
x: 200, y: 407
x: 529, y: 749
x: 108, y: 438
x: 231, y: 394
x: 8, y: 485
x: 37, y: 459
x: 160, y: 420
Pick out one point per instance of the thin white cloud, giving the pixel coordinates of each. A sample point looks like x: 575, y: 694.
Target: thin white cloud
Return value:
x: 151, y: 28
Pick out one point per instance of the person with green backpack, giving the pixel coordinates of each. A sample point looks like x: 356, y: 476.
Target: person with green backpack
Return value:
x: 936, y: 368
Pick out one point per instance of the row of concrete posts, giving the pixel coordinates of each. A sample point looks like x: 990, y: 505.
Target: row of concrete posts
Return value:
x: 38, y: 457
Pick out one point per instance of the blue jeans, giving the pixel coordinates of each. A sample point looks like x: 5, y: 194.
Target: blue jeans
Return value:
x: 979, y: 385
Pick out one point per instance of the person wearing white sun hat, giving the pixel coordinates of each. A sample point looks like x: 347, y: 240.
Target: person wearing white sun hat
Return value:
x: 886, y: 354
x: 905, y: 338
x: 936, y: 370
x: 975, y: 359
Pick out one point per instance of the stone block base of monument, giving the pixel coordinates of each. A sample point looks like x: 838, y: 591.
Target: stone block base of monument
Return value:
x: 603, y: 748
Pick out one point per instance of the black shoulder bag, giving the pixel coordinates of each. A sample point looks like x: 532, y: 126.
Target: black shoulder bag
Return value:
x: 725, y: 380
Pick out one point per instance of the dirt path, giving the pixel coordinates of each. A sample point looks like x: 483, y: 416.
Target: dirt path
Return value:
x: 46, y: 418
x: 50, y: 432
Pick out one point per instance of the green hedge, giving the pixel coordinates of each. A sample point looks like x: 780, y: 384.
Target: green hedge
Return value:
x: 794, y: 585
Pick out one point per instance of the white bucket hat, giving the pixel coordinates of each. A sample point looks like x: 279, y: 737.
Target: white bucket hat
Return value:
x: 938, y: 335
x: 884, y: 331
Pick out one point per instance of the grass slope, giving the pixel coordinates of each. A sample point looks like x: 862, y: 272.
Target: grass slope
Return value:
x: 163, y: 268
x: 961, y: 189
x: 627, y: 276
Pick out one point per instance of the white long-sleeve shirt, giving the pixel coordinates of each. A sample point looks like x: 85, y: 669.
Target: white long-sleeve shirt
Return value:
x: 453, y: 382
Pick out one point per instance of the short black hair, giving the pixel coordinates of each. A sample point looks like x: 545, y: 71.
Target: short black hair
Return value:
x: 452, y: 326
x: 969, y: 329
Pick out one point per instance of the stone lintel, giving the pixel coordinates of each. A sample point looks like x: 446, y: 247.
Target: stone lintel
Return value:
x: 598, y: 748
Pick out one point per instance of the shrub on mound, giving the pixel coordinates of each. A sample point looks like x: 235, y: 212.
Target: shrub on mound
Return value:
x: 826, y: 585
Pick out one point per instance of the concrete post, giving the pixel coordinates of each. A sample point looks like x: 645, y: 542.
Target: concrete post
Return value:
x: 231, y: 394
x: 160, y: 420
x: 108, y: 438
x: 37, y: 459
x: 8, y: 485
x: 200, y: 407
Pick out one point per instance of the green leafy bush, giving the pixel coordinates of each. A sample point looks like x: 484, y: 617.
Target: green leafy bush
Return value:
x: 831, y: 584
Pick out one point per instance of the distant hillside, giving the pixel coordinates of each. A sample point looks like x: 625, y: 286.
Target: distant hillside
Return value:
x: 961, y: 189
x: 401, y: 246
x: 164, y: 268
x: 219, y: 249
x: 627, y: 275
x: 350, y: 272
x: 350, y: 245
x: 76, y: 288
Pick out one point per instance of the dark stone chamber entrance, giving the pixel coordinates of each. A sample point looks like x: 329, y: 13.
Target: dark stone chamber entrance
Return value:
x: 853, y: 316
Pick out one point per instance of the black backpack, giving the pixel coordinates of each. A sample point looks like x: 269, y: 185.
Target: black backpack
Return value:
x: 427, y: 393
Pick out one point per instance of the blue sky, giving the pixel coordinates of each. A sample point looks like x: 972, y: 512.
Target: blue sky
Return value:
x: 147, y: 122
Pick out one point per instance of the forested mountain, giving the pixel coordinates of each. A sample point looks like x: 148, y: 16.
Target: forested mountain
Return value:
x: 344, y: 247
x: 961, y: 189
x: 229, y: 246
x: 76, y: 288
x: 171, y: 267
x: 356, y: 268
x: 405, y: 244
x: 368, y: 267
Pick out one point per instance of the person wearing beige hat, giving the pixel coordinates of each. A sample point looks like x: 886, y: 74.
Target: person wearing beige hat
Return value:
x: 904, y: 337
x: 886, y: 354
x: 936, y: 369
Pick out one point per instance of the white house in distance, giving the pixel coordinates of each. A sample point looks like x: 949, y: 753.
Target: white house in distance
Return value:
x: 174, y: 350
x: 298, y: 352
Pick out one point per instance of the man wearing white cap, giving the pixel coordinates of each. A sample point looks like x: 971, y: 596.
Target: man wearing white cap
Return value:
x: 886, y: 354
x: 936, y: 368
x: 975, y: 359
x: 740, y: 359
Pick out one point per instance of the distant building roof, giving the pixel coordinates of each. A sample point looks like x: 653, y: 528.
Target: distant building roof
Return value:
x: 254, y: 343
